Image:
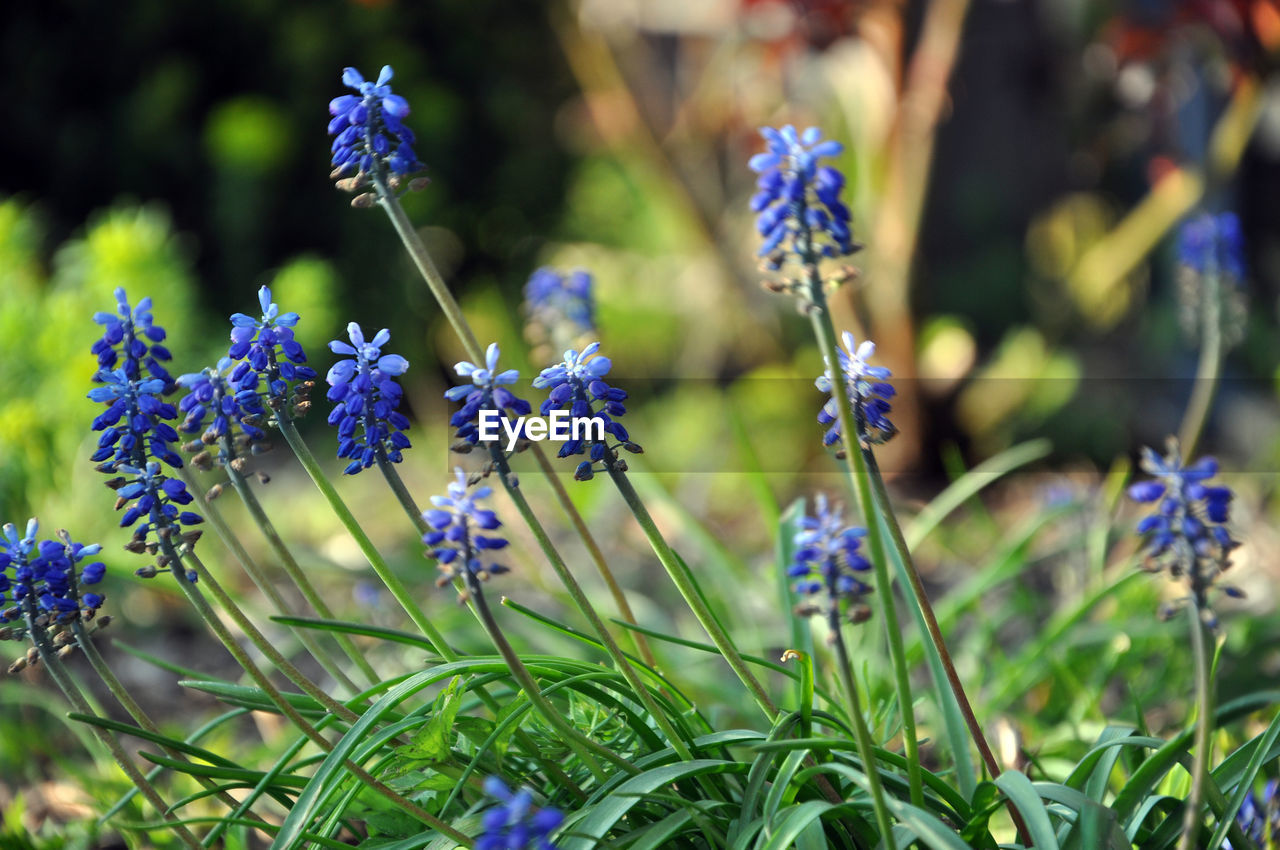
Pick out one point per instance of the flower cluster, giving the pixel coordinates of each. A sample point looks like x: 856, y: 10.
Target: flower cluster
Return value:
x: 46, y: 577
x: 453, y: 541
x: 486, y: 389
x: 514, y: 824
x: 1213, y: 244
x: 273, y: 356
x: 1187, y: 534
x: 828, y: 559
x: 370, y: 137
x: 366, y: 397
x: 798, y: 201
x: 577, y: 384
x: 235, y: 426
x: 134, y: 424
x: 131, y: 341
x: 556, y: 300
x: 153, y: 497
x: 868, y: 392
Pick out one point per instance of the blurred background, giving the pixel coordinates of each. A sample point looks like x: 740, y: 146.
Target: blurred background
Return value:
x: 1017, y: 172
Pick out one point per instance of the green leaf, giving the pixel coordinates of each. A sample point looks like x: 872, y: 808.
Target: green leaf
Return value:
x: 1262, y: 751
x: 1019, y: 789
x: 432, y: 742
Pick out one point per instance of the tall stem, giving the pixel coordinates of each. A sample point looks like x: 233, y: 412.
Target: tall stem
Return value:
x: 859, y: 479
x: 584, y: 606
x: 295, y: 571
x: 348, y: 520
x: 251, y: 567
x: 861, y: 733
x: 1209, y: 368
x: 62, y: 678
x: 89, y: 647
x: 286, y: 708
x: 1204, y: 727
x: 687, y: 586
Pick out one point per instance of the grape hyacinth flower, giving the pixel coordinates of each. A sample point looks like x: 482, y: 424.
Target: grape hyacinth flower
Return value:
x: 1187, y: 534
x: 454, y: 541
x: 46, y: 577
x: 134, y: 424
x: 827, y: 559
x: 577, y: 384
x: 798, y: 201
x: 514, y: 824
x: 555, y: 300
x: 1213, y: 244
x: 131, y: 341
x: 869, y: 394
x: 1259, y: 816
x: 486, y: 390
x: 270, y: 355
x: 370, y: 136
x: 234, y: 427
x: 366, y: 396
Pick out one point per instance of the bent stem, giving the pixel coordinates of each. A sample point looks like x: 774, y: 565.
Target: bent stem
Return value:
x: 263, y: 681
x: 687, y: 586
x: 263, y: 583
x: 861, y: 733
x: 859, y: 480
x: 295, y: 571
x: 1208, y: 370
x: 89, y: 647
x: 1204, y: 730
x: 62, y: 678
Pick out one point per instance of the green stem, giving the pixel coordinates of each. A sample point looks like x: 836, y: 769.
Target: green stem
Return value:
x: 295, y: 571
x: 1204, y: 727
x: 263, y: 583
x: 286, y: 708
x: 1209, y: 368
x: 62, y: 678
x: 523, y: 739
x: 584, y: 606
x: 859, y: 480
x: 585, y: 748
x: 861, y: 733
x: 687, y: 586
x: 90, y: 649
x: 348, y: 520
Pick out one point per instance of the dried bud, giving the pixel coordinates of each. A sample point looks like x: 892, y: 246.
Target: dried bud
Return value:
x: 461, y: 447
x: 348, y: 184
x: 104, y: 621
x: 115, y: 483
x: 859, y: 614
x: 363, y: 202
x: 301, y: 408
x: 263, y: 478
x: 417, y: 184
x: 33, y: 656
x: 146, y: 572
x: 17, y: 666
x: 214, y: 492
x: 66, y: 651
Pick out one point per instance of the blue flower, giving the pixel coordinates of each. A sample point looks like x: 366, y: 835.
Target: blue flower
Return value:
x: 577, y: 385
x: 554, y: 299
x: 149, y: 494
x: 1259, y: 816
x: 798, y: 201
x: 370, y: 135
x: 1212, y: 244
x: 134, y: 425
x: 454, y: 541
x: 210, y: 391
x: 514, y: 824
x: 270, y: 352
x: 486, y: 390
x: 827, y: 557
x: 366, y: 397
x: 47, y: 576
x: 1187, y: 534
x: 868, y: 392
x: 131, y: 341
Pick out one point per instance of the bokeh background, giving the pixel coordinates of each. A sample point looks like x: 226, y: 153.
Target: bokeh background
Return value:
x: 1017, y: 172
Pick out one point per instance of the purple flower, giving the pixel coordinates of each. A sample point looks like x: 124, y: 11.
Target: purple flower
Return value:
x: 210, y: 393
x: 577, y: 384
x: 1212, y: 244
x: 271, y: 355
x: 47, y: 577
x: 515, y: 824
x: 554, y: 299
x: 366, y: 397
x: 455, y: 541
x: 798, y: 202
x: 827, y: 555
x: 868, y: 389
x: 369, y: 134
x: 485, y: 390
x: 131, y: 341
